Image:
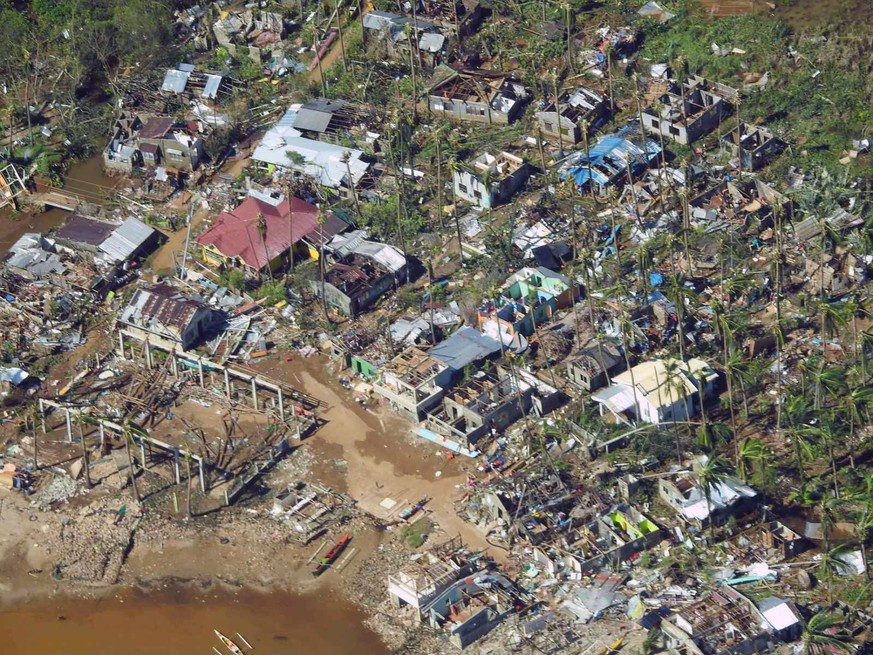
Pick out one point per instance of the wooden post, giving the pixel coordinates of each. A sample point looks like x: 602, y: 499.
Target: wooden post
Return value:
x: 41, y: 416
x: 174, y: 363
x: 227, y: 383
x: 254, y: 394
x: 69, y: 425
x: 142, y: 460
x: 121, y: 343
x: 148, y: 355
x: 200, y: 370
x: 281, y: 406
x: 202, y: 475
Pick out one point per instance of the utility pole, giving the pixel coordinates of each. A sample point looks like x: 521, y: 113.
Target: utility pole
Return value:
x: 194, y: 199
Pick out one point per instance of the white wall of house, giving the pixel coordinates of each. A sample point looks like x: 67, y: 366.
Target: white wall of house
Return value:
x: 471, y: 188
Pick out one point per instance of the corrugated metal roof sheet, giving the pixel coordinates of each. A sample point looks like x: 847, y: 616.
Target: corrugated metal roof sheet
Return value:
x: 175, y: 81
x: 464, y: 347
x: 156, y: 127
x: 313, y: 120
x: 321, y: 161
x: 126, y: 239
x: 85, y: 230
x: 213, y: 82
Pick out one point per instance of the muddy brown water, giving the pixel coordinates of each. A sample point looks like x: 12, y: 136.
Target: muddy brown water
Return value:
x: 182, y: 621
x: 84, y: 178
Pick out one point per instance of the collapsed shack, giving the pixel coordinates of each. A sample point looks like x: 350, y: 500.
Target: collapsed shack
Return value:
x: 309, y: 510
x: 537, y: 503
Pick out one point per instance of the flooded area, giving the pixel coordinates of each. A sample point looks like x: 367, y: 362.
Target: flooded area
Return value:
x: 84, y: 178
x: 181, y: 622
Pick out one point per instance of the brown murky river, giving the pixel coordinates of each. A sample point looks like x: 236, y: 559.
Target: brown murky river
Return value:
x: 84, y: 178
x: 182, y: 623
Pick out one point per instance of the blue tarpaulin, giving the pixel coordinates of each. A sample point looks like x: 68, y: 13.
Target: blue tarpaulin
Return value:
x: 656, y: 279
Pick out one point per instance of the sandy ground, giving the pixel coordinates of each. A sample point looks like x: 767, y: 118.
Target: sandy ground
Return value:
x: 370, y: 454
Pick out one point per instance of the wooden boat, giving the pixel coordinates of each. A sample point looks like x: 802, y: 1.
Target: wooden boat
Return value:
x: 325, y: 562
x: 410, y: 511
x: 232, y: 647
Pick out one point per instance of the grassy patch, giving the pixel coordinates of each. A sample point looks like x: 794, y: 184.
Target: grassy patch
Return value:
x: 415, y: 535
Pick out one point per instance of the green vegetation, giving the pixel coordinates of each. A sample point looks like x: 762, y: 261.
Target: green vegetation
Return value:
x: 416, y: 533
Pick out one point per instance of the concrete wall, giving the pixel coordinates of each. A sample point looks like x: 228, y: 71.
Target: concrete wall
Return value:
x: 470, y: 112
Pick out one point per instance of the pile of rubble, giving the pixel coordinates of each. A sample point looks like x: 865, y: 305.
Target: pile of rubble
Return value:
x: 92, y: 547
x: 58, y: 488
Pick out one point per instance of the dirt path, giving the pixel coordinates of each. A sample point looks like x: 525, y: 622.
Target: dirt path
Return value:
x: 163, y: 258
x: 333, y: 55
x: 382, y: 460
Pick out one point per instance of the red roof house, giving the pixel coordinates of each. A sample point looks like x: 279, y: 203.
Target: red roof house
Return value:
x: 235, y: 233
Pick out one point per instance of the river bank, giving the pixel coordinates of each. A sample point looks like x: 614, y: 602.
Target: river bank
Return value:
x: 76, y: 549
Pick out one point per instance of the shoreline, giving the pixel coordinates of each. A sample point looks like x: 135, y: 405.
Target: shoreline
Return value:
x: 365, y: 453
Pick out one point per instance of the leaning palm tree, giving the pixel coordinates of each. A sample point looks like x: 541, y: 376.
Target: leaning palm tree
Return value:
x: 821, y: 635
x: 715, y: 470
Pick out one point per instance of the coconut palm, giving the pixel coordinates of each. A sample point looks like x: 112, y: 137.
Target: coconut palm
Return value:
x: 821, y: 635
x: 833, y: 560
x: 261, y: 226
x: 833, y: 319
x: 857, y: 402
x: 752, y: 453
x: 455, y: 166
x: 714, y: 471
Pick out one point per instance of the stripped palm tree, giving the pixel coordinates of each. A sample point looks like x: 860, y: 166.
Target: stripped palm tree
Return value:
x: 261, y: 226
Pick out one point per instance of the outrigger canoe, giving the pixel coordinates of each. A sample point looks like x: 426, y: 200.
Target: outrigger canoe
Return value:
x: 232, y: 647
x: 325, y: 562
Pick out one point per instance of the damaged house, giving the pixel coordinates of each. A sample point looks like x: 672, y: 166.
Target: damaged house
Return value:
x: 682, y: 492
x: 413, y: 382
x: 335, y: 167
x: 327, y: 120
x: 529, y: 298
x: 249, y: 32
x: 488, y: 402
x: 755, y: 144
x: 725, y: 622
x: 161, y: 312
x: 612, y: 161
x: 592, y: 367
x: 235, y: 238
x: 658, y: 391
x: 406, y: 37
x: 478, y: 96
x: 459, y: 18
x: 362, y: 272
x: 195, y: 86
x: 491, y: 180
x: 689, y: 110
x: 420, y: 580
x: 473, y: 606
x: 604, y: 540
x: 574, y: 114
x: 153, y: 142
